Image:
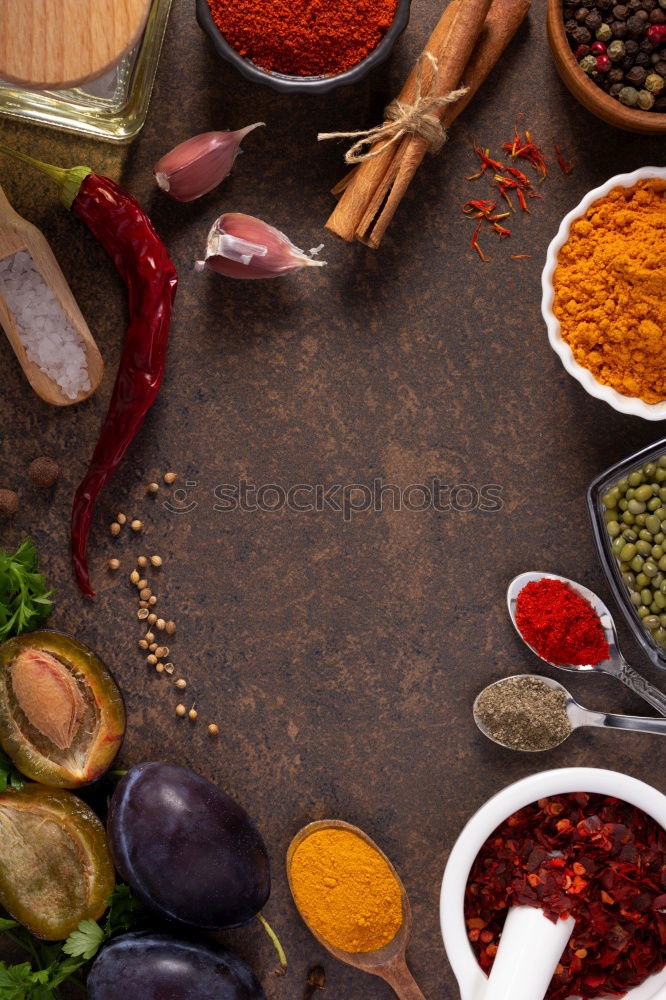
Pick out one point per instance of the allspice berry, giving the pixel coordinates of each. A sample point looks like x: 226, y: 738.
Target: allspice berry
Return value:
x: 9, y: 503
x: 44, y: 472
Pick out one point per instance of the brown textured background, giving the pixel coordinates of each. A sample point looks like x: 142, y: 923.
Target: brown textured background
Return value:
x: 340, y: 660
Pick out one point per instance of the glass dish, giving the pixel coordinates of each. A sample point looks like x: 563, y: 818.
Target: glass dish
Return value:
x: 597, y: 488
x: 112, y: 108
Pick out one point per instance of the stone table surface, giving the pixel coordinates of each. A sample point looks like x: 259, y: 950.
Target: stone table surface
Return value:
x: 339, y: 656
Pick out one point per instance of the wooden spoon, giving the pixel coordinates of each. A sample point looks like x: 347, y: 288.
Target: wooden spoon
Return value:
x: 56, y: 44
x: 389, y: 962
x: 16, y: 234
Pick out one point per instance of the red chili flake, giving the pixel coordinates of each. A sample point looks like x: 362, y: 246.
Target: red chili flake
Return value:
x: 521, y: 256
x: 566, y: 166
x: 619, y: 905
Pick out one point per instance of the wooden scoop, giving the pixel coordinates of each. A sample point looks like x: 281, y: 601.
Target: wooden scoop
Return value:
x: 16, y: 234
x: 56, y: 44
x: 389, y: 962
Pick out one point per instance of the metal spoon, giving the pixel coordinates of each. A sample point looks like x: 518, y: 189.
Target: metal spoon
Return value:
x: 578, y: 716
x: 389, y: 962
x: 615, y: 665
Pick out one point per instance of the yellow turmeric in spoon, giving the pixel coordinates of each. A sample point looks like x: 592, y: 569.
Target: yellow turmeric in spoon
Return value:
x: 345, y: 891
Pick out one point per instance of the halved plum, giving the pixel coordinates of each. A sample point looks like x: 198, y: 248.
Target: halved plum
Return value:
x: 55, y: 865
x: 62, y: 717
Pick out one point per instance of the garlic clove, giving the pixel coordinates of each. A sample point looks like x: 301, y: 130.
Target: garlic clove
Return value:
x: 199, y: 164
x: 241, y: 246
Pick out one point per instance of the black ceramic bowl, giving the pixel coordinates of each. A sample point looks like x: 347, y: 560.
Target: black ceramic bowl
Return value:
x: 303, y: 84
x: 596, y: 491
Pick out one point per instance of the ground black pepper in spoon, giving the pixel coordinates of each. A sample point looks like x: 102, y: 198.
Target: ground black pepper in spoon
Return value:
x: 524, y: 713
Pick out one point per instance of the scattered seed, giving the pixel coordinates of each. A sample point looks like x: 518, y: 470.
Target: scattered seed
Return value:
x: 136, y: 524
x: 161, y: 652
x: 142, y: 562
x: 142, y: 613
x: 151, y: 660
x: 121, y: 518
x: 169, y: 667
x: 149, y: 637
x: 170, y: 477
x: 192, y: 714
x: 143, y: 604
x: 170, y: 627
x: 145, y: 593
x: 152, y: 618
x: 159, y: 667
x: 152, y: 600
x: 213, y: 730
x: 156, y: 561
x: 152, y: 488
x: 152, y: 647
x: 181, y: 710
x: 140, y: 583
x: 180, y: 684
x: 115, y: 529
x: 114, y: 563
x: 143, y: 644
x: 134, y: 576
x: 161, y: 624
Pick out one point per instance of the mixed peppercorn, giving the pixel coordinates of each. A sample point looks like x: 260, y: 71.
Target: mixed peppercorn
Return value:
x: 622, y: 48
x: 598, y: 859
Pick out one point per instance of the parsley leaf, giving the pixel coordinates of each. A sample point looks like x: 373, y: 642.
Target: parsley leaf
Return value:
x: 25, y: 603
x: 85, y: 940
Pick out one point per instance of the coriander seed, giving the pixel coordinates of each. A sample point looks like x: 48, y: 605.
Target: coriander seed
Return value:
x: 170, y: 477
x: 143, y: 604
x: 134, y: 576
x: 161, y: 652
x: 151, y: 660
x: 159, y: 667
x: 114, y: 563
x: 140, y: 583
x: 169, y: 667
x: 145, y: 594
x: 192, y: 714
x: 121, y: 518
x: 213, y: 730
x: 143, y: 644
x: 170, y: 627
x: 181, y: 710
x: 153, y: 647
x: 180, y: 684
x: 149, y: 637
x: 161, y: 624
x: 114, y: 529
x: 142, y: 562
x: 152, y: 488
x: 142, y: 613
x: 152, y: 618
x: 156, y: 561
x: 136, y: 524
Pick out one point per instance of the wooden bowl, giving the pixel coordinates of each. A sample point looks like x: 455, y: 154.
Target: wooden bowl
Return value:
x: 584, y: 90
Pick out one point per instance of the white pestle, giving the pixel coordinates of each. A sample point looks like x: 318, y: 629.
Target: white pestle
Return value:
x: 530, y: 948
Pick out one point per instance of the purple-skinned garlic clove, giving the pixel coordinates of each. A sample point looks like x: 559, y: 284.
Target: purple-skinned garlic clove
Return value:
x: 199, y: 164
x: 241, y: 246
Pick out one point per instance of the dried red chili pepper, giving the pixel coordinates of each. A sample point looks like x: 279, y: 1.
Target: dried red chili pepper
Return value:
x: 121, y: 226
x: 598, y: 858
x: 560, y: 624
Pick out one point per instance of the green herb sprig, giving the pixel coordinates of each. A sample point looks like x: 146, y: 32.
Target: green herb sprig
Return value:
x: 51, y: 965
x: 24, y: 600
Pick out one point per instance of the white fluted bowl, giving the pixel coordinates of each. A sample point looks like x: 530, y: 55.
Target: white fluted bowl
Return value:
x: 471, y: 980
x: 624, y: 404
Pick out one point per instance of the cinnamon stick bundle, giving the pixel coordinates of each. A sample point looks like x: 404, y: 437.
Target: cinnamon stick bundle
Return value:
x: 469, y: 39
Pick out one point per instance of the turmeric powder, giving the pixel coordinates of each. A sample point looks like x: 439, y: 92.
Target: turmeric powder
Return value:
x: 345, y: 890
x: 610, y: 290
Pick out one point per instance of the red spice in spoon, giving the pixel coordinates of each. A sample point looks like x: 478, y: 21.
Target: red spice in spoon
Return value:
x: 560, y: 624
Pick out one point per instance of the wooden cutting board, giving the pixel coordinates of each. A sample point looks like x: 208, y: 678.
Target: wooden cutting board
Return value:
x: 55, y: 44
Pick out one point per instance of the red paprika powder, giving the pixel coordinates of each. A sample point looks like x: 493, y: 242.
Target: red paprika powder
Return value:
x: 560, y: 624
x: 304, y: 37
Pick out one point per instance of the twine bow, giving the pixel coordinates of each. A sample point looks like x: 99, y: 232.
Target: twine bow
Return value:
x: 419, y: 118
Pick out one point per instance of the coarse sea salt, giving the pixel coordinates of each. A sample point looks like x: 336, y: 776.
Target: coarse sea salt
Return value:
x: 49, y: 339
